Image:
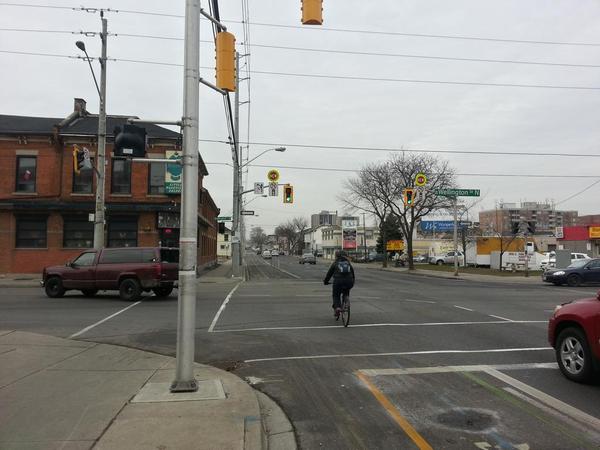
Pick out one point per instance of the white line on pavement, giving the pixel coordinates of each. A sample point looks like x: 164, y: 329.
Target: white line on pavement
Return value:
x: 222, y: 308
x: 418, y: 301
x: 462, y: 307
x: 86, y: 329
x: 449, y: 369
x: 424, y: 352
x: 501, y: 318
x: 286, y: 272
x: 368, y: 325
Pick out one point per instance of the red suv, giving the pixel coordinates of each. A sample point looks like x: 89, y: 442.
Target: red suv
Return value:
x: 130, y: 270
x: 574, y: 332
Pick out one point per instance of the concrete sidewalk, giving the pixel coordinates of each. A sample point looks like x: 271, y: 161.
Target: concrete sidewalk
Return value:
x: 64, y: 394
x: 531, y: 280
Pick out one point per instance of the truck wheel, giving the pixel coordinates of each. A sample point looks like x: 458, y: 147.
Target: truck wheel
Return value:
x: 574, y: 280
x: 54, y: 287
x: 440, y: 262
x: 573, y: 355
x: 130, y: 289
x: 163, y: 291
x: 89, y: 292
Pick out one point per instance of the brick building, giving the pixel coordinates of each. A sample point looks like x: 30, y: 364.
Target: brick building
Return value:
x: 45, y: 205
x: 544, y: 215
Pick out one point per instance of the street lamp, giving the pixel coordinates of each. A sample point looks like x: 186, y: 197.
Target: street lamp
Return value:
x: 276, y: 149
x: 101, y: 157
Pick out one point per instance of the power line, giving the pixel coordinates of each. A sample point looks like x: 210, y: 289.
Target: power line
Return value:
x: 343, y: 77
x: 490, y: 175
x: 327, y: 51
x: 412, y: 150
x: 579, y: 193
x: 318, y: 29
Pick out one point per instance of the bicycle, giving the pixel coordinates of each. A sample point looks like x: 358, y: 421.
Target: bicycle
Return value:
x: 345, y: 310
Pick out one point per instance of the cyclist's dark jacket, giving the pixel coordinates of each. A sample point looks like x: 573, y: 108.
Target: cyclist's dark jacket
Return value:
x: 342, y: 280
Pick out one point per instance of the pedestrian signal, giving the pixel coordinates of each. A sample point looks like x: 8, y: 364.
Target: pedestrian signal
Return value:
x: 225, y: 48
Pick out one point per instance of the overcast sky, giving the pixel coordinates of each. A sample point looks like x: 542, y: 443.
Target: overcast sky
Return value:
x: 345, y: 113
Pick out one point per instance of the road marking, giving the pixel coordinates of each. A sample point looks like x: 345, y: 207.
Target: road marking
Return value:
x: 369, y: 325
x: 222, y: 308
x: 393, y: 411
x: 448, y: 369
x: 254, y: 295
x: 550, y: 401
x: 462, y: 307
x: 501, y: 318
x: 422, y: 352
x: 286, y: 272
x: 86, y: 329
x: 419, y: 301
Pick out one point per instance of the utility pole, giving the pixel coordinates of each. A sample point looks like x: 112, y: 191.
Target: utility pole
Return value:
x: 101, y: 161
x: 188, y: 241
x: 455, y: 236
x: 237, y: 167
x: 365, y: 236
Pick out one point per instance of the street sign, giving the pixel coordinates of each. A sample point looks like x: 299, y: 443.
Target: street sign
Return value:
x: 420, y: 179
x: 247, y: 213
x: 458, y: 192
x: 224, y: 219
x: 258, y: 188
x: 273, y: 176
x: 273, y: 189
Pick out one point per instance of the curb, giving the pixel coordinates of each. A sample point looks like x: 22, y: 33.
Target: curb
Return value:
x: 506, y: 280
x: 278, y: 432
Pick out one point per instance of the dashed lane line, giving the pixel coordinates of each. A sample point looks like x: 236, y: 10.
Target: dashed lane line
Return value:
x: 501, y: 318
x: 462, y: 307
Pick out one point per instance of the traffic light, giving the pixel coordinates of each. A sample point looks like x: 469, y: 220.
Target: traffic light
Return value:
x: 81, y: 159
x: 131, y: 141
x: 409, y: 197
x: 288, y: 193
x: 225, y: 47
x: 312, y: 12
x: 515, y: 228
x: 531, y: 227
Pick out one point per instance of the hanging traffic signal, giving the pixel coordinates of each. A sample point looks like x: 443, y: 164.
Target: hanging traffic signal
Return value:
x: 225, y: 47
x: 131, y: 141
x: 288, y: 193
x: 81, y: 159
x: 409, y: 197
x: 312, y: 12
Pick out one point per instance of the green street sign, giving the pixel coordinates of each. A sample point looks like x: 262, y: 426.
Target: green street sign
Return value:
x: 224, y: 219
x: 458, y: 192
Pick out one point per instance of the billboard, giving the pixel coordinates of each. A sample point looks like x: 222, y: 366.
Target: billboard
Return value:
x: 349, y: 234
x: 441, y: 226
x: 594, y: 232
x: 394, y: 245
x: 173, y: 173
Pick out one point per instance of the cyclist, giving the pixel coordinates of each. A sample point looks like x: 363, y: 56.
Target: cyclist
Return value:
x: 343, y: 279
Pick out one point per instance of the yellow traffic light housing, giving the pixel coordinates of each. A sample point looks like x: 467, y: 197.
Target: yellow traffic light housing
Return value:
x: 288, y: 193
x: 312, y: 12
x: 409, y: 197
x: 75, y: 160
x: 225, y: 70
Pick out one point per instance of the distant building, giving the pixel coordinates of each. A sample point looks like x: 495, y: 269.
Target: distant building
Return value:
x: 224, y: 244
x: 545, y: 217
x: 582, y: 238
x: 331, y: 241
x: 323, y: 218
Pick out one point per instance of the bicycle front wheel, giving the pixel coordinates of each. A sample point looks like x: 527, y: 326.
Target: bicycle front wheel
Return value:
x: 345, y: 310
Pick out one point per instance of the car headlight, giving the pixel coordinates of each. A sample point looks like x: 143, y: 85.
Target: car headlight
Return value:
x: 560, y: 272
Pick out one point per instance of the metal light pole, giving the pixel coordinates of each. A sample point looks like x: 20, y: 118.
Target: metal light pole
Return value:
x: 188, y: 242
x: 455, y: 237
x: 235, y: 240
x: 101, y: 157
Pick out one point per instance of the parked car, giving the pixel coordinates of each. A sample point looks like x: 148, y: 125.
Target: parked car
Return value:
x: 274, y: 252
x: 319, y: 254
x: 308, y: 258
x: 375, y: 257
x: 581, y: 271
x: 550, y: 261
x: 574, y: 334
x: 420, y: 258
x: 447, y: 258
x: 266, y: 254
x: 130, y: 270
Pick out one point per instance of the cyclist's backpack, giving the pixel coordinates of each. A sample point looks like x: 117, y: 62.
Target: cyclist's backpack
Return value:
x: 343, y: 268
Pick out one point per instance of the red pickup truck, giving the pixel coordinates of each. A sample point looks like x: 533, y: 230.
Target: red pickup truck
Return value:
x: 130, y: 270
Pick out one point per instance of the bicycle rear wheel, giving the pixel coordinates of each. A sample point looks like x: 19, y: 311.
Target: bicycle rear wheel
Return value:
x: 345, y: 310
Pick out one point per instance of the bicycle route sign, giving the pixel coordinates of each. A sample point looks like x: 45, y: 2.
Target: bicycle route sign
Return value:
x: 458, y: 192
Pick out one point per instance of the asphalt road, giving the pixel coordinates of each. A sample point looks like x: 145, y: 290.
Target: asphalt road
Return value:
x: 426, y: 362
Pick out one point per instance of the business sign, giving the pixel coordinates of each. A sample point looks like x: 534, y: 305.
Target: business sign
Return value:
x: 441, y: 226
x: 349, y: 234
x: 594, y: 232
x: 458, y: 192
x: 173, y: 173
x: 394, y: 245
x: 559, y: 233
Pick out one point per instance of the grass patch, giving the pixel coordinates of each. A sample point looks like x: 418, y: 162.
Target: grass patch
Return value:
x: 477, y: 270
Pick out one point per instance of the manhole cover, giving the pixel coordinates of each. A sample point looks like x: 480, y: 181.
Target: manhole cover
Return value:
x: 468, y: 419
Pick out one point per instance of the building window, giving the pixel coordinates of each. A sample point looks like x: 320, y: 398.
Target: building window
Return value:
x: 83, y: 182
x: 31, y: 232
x: 225, y: 237
x: 26, y: 169
x: 156, y: 178
x: 121, y: 176
x: 122, y: 232
x: 78, y: 232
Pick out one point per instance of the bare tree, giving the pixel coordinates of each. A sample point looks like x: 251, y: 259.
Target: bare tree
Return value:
x: 293, y: 232
x: 258, y: 238
x: 403, y: 170
x: 367, y: 192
